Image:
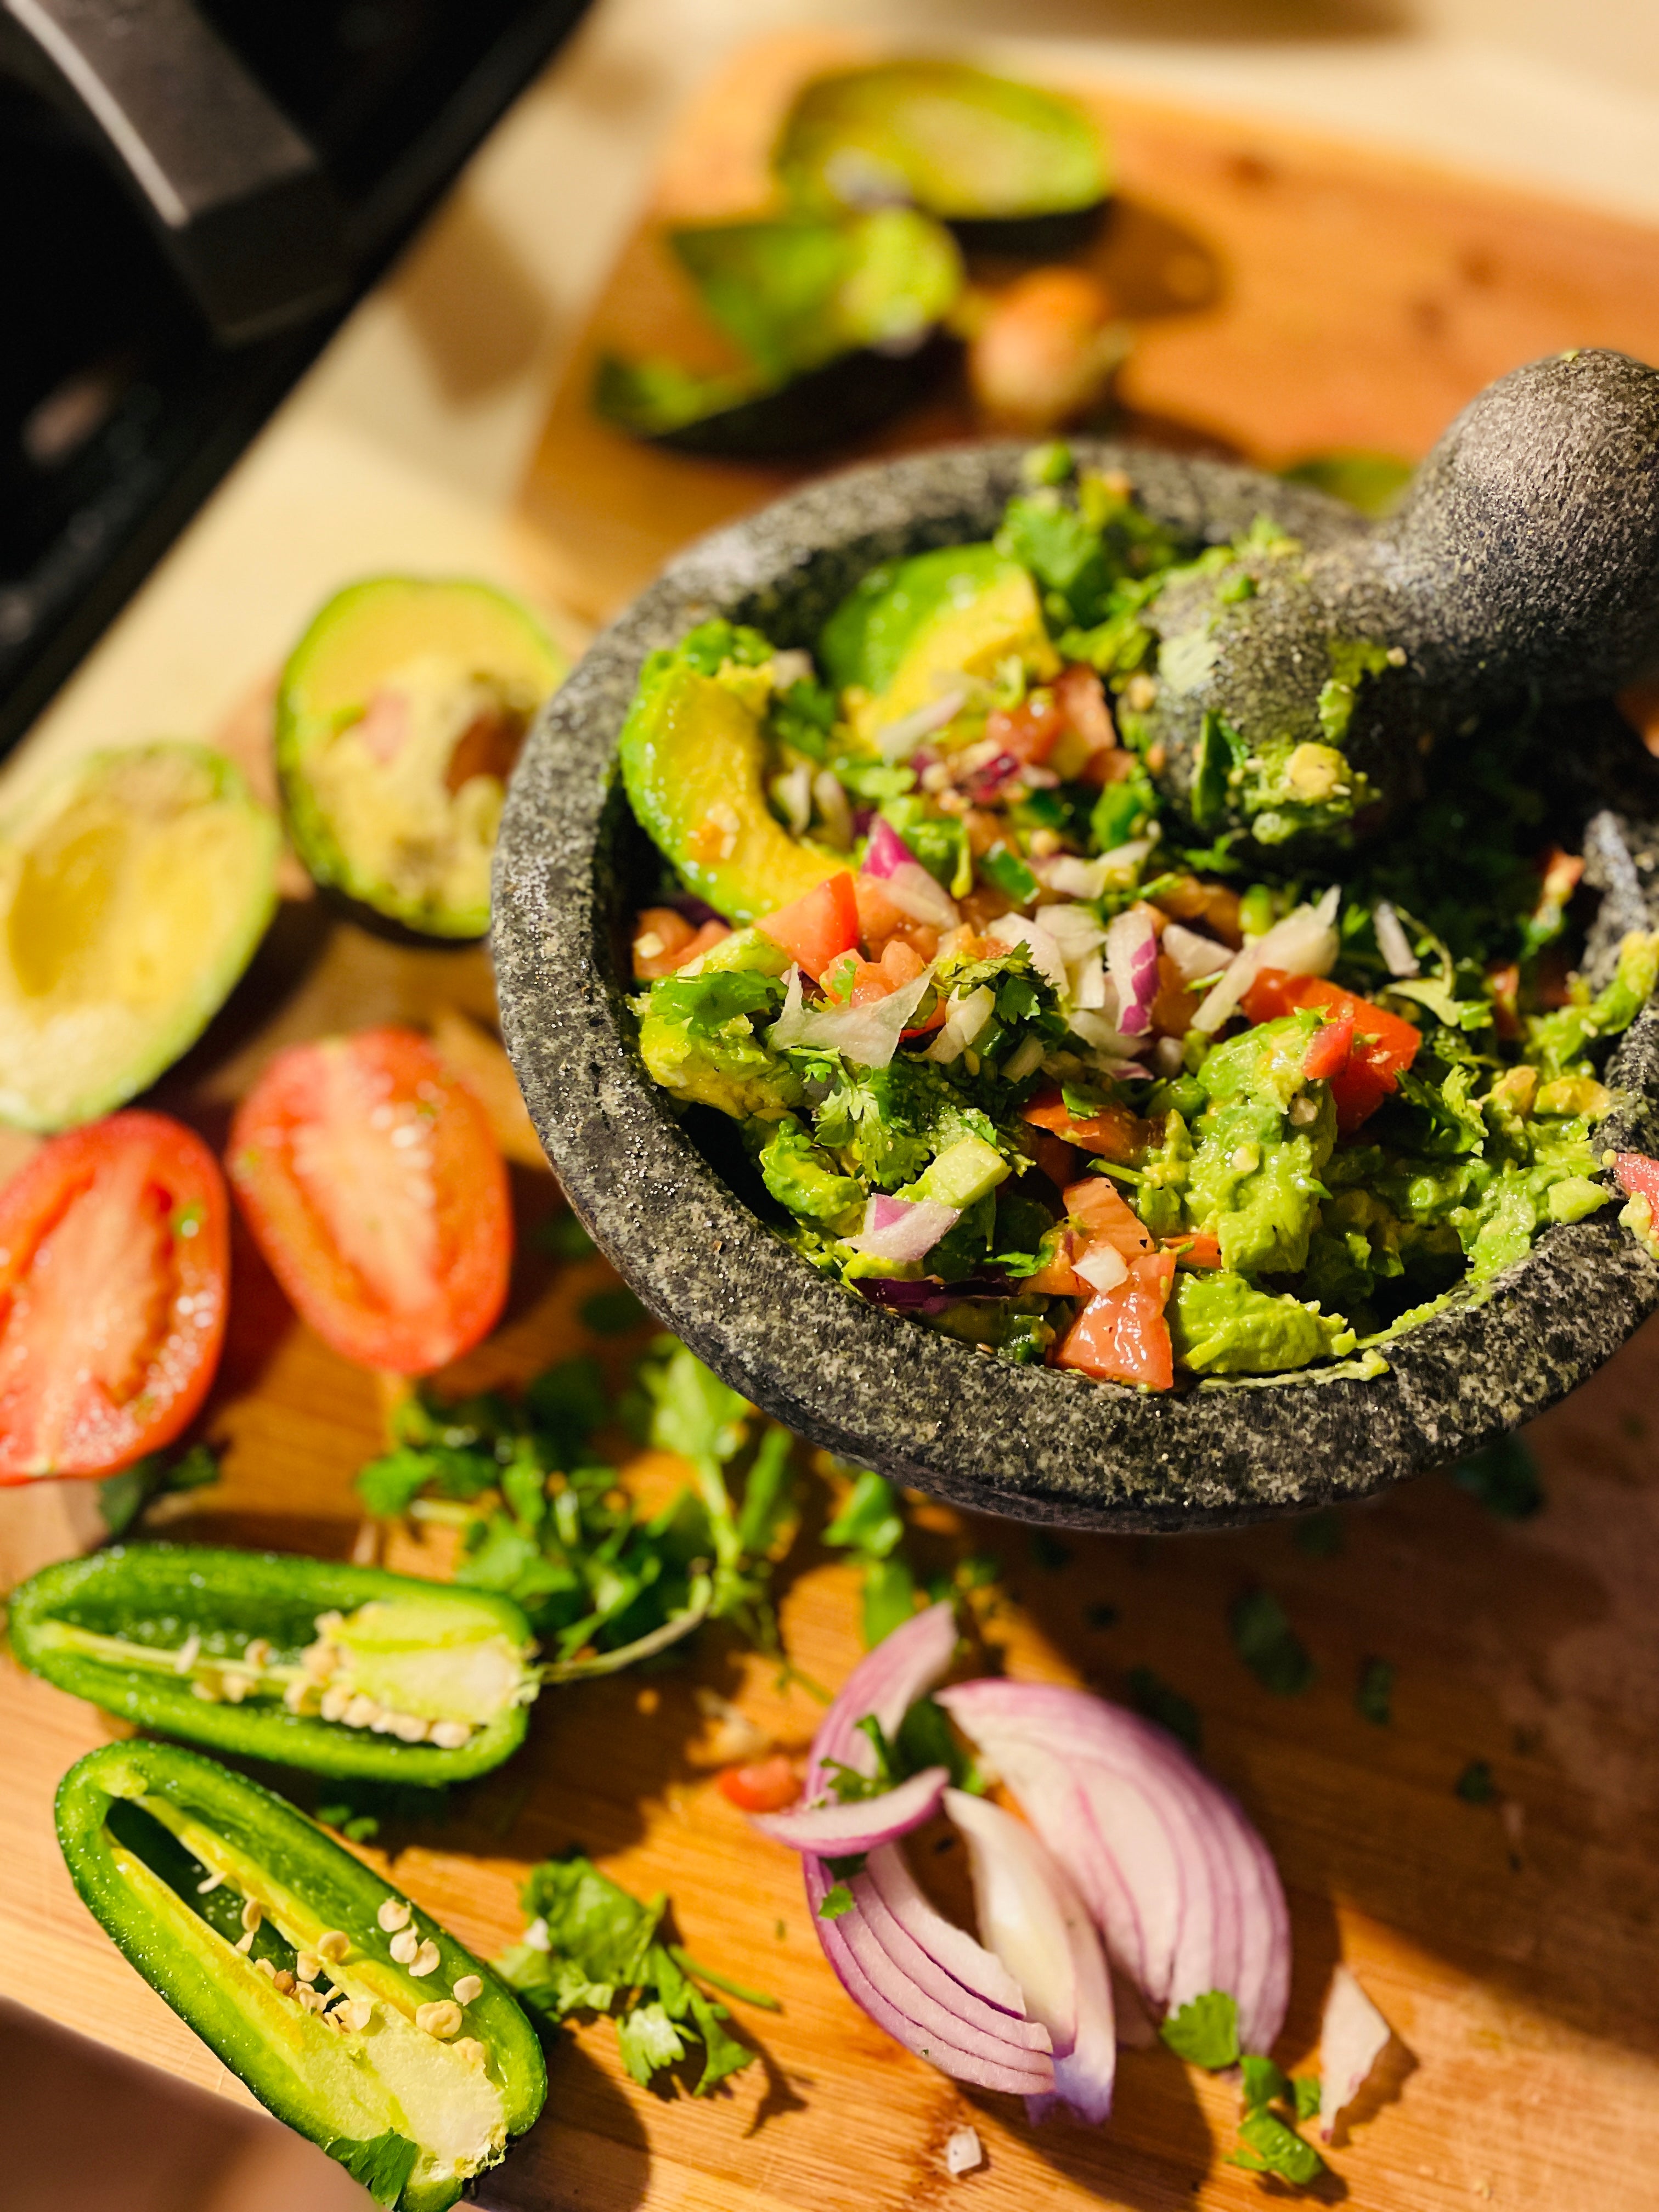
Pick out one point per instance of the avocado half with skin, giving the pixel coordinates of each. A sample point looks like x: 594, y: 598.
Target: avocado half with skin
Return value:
x: 1010, y: 166
x: 398, y: 718
x: 135, y: 887
x: 836, y: 319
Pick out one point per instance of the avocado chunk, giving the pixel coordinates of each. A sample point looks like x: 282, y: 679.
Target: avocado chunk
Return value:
x: 908, y: 633
x: 842, y: 304
x: 959, y: 142
x: 1220, y: 1325
x: 693, y: 753
x: 398, y: 718
x: 135, y: 886
x: 699, y: 1037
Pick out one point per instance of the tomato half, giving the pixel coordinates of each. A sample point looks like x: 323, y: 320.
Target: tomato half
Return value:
x: 114, y: 1266
x: 1122, y: 1336
x: 375, y: 1188
x: 1384, y: 1047
x: 815, y: 929
x: 770, y: 1786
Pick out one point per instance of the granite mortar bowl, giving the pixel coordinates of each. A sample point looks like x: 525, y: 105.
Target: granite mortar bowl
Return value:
x: 662, y: 1195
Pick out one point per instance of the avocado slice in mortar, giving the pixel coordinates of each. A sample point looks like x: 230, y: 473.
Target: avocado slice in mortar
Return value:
x: 693, y: 754
x: 135, y: 886
x: 832, y: 317
x: 908, y: 633
x: 1010, y: 164
x: 398, y: 718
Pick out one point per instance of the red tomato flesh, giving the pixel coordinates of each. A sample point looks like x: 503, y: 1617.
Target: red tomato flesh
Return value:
x: 1121, y: 1336
x: 770, y: 1786
x: 375, y: 1190
x: 818, y: 928
x: 114, y: 1262
x: 1638, y: 1177
x: 1383, y: 1045
x: 1112, y: 1133
x: 1328, y: 1055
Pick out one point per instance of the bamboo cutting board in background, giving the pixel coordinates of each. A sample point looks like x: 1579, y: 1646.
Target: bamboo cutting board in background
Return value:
x: 1288, y: 296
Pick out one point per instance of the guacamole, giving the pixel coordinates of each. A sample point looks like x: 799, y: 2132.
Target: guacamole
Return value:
x: 1020, y: 1049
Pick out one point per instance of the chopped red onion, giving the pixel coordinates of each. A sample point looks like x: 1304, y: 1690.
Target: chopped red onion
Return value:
x: 1304, y: 943
x: 903, y: 1230
x: 1392, y: 941
x: 906, y: 882
x: 866, y: 1034
x: 1353, y: 2037
x: 842, y: 1831
x: 1132, y: 963
x: 1175, y: 1876
x: 887, y: 849
x: 1032, y: 1918
x: 899, y: 740
x: 928, y: 1298
x: 1194, y: 955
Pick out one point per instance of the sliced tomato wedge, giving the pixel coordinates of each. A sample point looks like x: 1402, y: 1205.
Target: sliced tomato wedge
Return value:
x: 375, y: 1188
x: 770, y: 1786
x: 1383, y: 1045
x: 1121, y: 1335
x: 1114, y: 1133
x: 114, y: 1266
x: 818, y: 928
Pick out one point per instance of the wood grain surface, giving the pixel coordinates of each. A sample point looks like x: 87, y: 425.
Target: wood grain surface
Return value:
x: 1512, y: 1945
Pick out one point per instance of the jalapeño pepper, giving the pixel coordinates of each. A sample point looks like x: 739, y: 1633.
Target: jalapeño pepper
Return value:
x: 348, y: 1671
x: 347, y: 2012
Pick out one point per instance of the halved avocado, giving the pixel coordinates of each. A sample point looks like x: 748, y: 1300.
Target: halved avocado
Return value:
x: 693, y: 753
x: 985, y: 152
x: 833, y: 317
x: 904, y: 632
x: 135, y: 887
x: 398, y: 718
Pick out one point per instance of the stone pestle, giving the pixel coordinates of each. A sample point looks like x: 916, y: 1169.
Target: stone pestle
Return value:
x: 1299, y: 693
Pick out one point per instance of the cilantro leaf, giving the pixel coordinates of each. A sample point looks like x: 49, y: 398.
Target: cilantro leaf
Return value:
x: 1205, y: 2030
x: 381, y: 2163
x: 1305, y: 2089
x: 1373, y: 1692
x: 1269, y: 1646
x: 1474, y: 1785
x: 837, y: 1900
x: 648, y: 2039
x: 1267, y: 2145
x: 1264, y: 2083
x: 1503, y: 1476
x: 706, y: 1003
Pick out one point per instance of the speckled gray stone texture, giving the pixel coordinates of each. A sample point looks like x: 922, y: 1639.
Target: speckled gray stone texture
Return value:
x: 1525, y: 557
x: 1033, y: 1443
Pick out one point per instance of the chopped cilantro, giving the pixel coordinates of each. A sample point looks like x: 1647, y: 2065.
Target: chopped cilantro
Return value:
x: 1263, y: 2082
x: 1503, y: 1476
x: 1474, y: 1785
x: 381, y: 2163
x: 837, y: 1900
x: 1320, y: 1536
x: 1269, y: 1646
x: 611, y: 1313
x: 871, y: 1526
x: 1305, y: 2087
x: 1269, y: 2145
x: 1374, y: 1692
x: 706, y: 1003
x: 564, y: 1238
x: 1153, y: 1697
x: 122, y: 1498
x: 1205, y: 2031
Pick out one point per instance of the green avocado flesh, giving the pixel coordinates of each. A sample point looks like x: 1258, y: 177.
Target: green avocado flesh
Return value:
x: 172, y: 1853
x: 960, y: 142
x: 136, y: 886
x: 1382, y: 1114
x: 344, y: 1670
x: 398, y: 718
x: 794, y: 295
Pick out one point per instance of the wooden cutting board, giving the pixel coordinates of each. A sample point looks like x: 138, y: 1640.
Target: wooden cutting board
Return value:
x: 1512, y: 1944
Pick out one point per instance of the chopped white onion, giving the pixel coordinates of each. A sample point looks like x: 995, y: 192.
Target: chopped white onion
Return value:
x: 1073, y: 928
x: 903, y: 1230
x: 1392, y: 941
x: 965, y: 1021
x: 794, y: 794
x: 1194, y: 955
x: 790, y: 666
x: 1103, y: 1266
x: 899, y: 740
x: 1046, y: 956
x: 868, y: 1036
x: 834, y: 812
x: 1352, y: 2036
x: 1304, y: 943
x: 963, y: 2151
x: 1024, y: 1061
x: 921, y: 896
x: 1089, y: 879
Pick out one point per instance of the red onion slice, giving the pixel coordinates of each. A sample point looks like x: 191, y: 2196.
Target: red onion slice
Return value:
x: 889, y: 1876
x: 902, y: 1229
x: 843, y: 1831
x: 1033, y: 1921
x: 886, y: 1682
x: 1132, y: 963
x: 926, y: 1971
x: 866, y: 1034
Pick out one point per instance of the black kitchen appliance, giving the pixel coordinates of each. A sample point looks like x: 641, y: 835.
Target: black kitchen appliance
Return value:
x: 192, y: 196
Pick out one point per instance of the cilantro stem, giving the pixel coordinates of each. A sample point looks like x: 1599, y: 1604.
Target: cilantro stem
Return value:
x: 688, y: 1965
x: 610, y: 1662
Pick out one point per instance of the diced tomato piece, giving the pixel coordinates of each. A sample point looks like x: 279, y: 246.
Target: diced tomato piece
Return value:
x: 1081, y: 698
x: 1195, y: 1251
x: 878, y: 915
x: 1638, y: 1177
x: 375, y: 1190
x: 1505, y: 983
x: 1384, y: 1047
x: 1186, y: 898
x: 114, y: 1267
x: 771, y: 1785
x: 1097, y: 1205
x: 1029, y: 731
x: 1177, y: 1000
x: 1059, y: 1161
x: 814, y: 930
x: 1328, y: 1055
x: 1059, y: 1278
x: 1121, y: 1336
x: 1114, y: 1133
x: 661, y: 940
